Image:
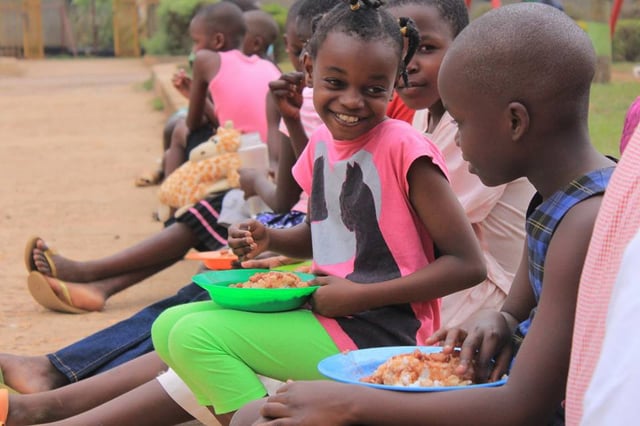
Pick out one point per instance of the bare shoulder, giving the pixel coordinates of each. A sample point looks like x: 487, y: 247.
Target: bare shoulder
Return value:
x: 207, y: 62
x: 570, y: 242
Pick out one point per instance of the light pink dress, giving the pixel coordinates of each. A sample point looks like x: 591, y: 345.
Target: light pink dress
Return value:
x: 497, y: 215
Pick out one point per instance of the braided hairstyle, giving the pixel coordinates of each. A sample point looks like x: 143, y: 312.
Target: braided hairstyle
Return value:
x: 365, y: 20
x: 454, y: 12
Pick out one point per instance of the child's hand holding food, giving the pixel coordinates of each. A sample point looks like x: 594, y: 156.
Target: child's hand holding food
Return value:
x: 248, y: 239
x: 485, y: 343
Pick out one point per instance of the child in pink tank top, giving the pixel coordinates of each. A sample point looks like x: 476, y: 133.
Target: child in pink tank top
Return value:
x: 238, y: 84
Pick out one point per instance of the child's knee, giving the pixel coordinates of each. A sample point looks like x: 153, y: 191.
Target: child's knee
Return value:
x: 162, y: 328
x: 179, y: 135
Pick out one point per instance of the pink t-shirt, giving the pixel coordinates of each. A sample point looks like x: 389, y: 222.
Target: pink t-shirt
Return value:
x: 618, y: 221
x: 359, y: 201
x: 239, y: 91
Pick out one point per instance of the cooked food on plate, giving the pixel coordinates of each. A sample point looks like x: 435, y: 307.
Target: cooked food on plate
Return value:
x: 419, y: 369
x: 273, y: 279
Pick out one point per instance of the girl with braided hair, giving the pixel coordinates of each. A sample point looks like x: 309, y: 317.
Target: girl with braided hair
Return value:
x: 379, y: 203
x: 497, y: 213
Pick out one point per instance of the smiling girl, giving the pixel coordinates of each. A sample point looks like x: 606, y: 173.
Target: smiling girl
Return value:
x: 379, y: 204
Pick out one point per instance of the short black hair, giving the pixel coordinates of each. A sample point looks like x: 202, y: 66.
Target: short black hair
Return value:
x: 539, y: 57
x: 310, y: 9
x: 453, y: 11
x: 292, y: 13
x: 365, y: 20
x: 225, y: 17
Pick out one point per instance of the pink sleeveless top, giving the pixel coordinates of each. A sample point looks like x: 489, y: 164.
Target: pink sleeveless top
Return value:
x: 239, y: 91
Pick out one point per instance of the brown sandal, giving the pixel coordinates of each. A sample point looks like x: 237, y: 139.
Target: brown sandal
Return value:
x: 149, y: 178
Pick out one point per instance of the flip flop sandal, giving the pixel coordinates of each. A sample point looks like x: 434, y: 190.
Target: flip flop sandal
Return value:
x: 41, y: 291
x: 149, y: 178
x: 28, y: 256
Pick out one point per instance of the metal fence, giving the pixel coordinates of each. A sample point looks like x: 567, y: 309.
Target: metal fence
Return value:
x: 33, y: 28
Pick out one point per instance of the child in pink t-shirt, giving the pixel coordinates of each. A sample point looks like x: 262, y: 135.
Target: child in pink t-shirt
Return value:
x: 372, y: 226
x: 238, y: 84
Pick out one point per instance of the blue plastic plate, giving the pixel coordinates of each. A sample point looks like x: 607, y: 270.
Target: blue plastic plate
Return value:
x: 252, y: 299
x: 352, y: 366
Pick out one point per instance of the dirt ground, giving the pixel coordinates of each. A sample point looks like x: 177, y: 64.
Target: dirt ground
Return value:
x: 74, y: 134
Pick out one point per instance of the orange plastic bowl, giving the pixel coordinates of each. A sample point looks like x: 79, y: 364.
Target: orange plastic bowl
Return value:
x: 216, y: 260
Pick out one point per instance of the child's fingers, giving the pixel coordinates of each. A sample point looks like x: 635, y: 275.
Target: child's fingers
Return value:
x: 293, y: 77
x: 502, y: 364
x: 244, y: 252
x: 454, y: 338
x: 437, y: 337
x: 320, y: 281
x: 468, y: 350
x: 273, y: 410
x: 484, y: 358
x: 278, y: 85
x: 282, y: 93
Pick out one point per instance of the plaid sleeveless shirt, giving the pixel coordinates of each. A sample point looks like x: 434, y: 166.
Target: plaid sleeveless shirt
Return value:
x: 544, y: 216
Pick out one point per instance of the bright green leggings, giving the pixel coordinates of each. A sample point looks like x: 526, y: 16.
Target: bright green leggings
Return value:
x: 218, y: 351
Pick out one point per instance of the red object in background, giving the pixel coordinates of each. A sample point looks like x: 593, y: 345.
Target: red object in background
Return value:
x: 494, y: 3
x: 615, y: 11
x: 613, y: 19
x: 398, y: 110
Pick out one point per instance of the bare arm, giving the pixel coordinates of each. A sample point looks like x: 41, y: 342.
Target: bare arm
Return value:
x: 250, y: 238
x: 536, y: 384
x: 210, y: 113
x: 282, y: 195
x: 205, y: 67
x: 287, y: 95
x: 273, y: 134
x: 297, y: 135
x: 520, y: 300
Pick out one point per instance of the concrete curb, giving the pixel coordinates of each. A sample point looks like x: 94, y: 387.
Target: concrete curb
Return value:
x: 161, y: 74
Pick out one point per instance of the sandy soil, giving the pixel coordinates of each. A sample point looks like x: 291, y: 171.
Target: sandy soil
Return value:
x: 74, y: 134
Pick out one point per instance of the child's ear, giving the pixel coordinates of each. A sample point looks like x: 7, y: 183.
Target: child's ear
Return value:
x: 307, y: 65
x: 259, y: 44
x: 217, y: 41
x: 519, y: 116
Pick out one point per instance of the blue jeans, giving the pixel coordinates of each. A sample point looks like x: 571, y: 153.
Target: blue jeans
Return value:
x: 121, y: 342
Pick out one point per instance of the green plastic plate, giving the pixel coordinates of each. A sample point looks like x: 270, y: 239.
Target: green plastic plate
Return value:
x: 252, y: 299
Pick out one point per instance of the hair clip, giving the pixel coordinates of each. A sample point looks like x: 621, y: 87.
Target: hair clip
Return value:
x: 355, y: 5
x: 403, y: 31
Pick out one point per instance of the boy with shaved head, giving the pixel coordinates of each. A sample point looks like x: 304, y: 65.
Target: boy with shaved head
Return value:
x: 262, y: 33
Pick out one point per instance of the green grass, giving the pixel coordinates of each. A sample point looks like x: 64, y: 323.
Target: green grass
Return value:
x: 147, y: 85
x: 157, y: 104
x: 609, y: 104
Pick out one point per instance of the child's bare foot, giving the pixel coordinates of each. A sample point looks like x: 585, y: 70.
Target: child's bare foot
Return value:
x: 83, y: 296
x: 52, y: 264
x: 30, y: 374
x: 58, y: 295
